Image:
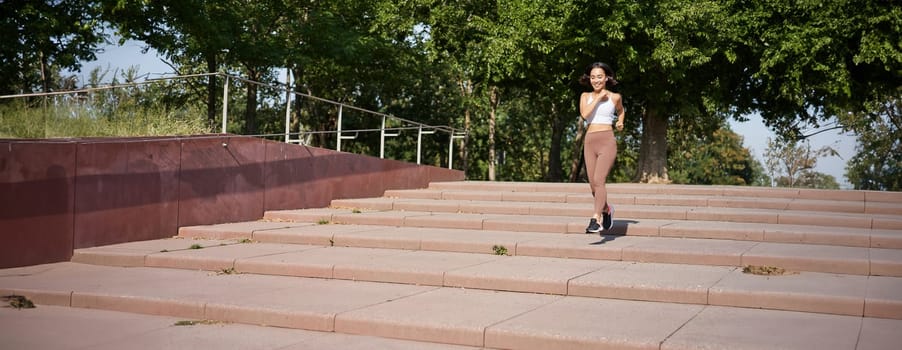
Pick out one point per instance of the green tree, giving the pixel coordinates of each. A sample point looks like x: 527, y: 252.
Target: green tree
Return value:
x: 673, y: 59
x: 877, y: 165
x: 544, y: 74
x: 182, y: 30
x: 363, y: 54
x: 818, y: 60
x: 796, y: 62
x: 791, y: 164
x: 500, y: 54
x: 257, y: 48
x: 710, y: 158
x: 506, y: 70
x: 41, y: 38
x: 812, y: 179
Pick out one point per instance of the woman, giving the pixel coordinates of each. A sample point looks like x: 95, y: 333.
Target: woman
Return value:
x: 600, y: 108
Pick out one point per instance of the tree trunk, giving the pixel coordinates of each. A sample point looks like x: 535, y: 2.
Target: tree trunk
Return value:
x: 555, y: 165
x: 493, y: 106
x: 464, y: 145
x: 466, y: 93
x: 576, y: 162
x: 45, y: 76
x: 250, y: 107
x: 211, y: 89
x: 652, y: 167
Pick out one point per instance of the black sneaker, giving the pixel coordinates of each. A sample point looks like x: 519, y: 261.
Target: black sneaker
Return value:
x: 593, y: 227
x: 607, y: 219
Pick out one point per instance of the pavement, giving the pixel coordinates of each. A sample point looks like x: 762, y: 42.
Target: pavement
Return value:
x: 492, y: 265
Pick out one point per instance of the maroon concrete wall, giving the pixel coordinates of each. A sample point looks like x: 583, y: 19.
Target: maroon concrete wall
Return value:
x: 60, y: 195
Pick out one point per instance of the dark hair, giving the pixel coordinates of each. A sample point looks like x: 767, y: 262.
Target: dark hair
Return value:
x: 609, y: 81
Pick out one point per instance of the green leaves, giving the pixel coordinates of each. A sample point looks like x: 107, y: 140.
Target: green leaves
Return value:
x: 878, y: 163
x: 798, y: 63
x: 42, y: 38
x: 821, y: 59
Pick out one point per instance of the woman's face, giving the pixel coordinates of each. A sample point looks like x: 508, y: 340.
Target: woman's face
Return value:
x: 597, y: 78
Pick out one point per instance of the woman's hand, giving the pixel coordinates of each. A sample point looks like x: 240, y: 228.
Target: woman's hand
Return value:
x: 619, y: 125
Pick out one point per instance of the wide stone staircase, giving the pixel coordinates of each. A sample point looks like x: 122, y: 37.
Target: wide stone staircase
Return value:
x: 508, y: 266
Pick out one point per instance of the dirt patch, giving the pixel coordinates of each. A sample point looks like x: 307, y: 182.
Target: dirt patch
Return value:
x: 765, y: 270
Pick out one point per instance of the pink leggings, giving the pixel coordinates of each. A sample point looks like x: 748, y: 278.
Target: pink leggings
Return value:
x: 600, y: 150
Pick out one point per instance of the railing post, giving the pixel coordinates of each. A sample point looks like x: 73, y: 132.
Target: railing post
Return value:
x: 382, y: 140
x: 288, y: 106
x: 225, y: 104
x: 338, y: 136
x: 383, y: 135
x: 419, y: 142
x: 420, y: 133
x: 450, y: 148
x: 454, y: 135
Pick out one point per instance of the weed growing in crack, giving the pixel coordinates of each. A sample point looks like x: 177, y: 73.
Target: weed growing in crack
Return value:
x: 18, y: 302
x: 193, y: 322
x: 227, y: 271
x: 765, y: 270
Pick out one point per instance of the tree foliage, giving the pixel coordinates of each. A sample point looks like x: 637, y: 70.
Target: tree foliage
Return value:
x: 506, y: 71
x: 815, y: 61
x: 711, y: 158
x: 877, y: 165
x: 791, y: 164
x: 42, y: 38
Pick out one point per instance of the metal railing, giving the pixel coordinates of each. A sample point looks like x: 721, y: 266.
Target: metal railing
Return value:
x: 340, y: 133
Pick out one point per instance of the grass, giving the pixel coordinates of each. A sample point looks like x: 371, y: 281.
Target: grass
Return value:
x: 64, y: 121
x: 196, y: 246
x: 499, y: 250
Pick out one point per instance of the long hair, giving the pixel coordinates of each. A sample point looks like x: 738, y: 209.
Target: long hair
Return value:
x: 608, y: 72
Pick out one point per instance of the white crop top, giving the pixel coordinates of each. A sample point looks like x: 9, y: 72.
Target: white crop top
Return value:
x: 604, y: 112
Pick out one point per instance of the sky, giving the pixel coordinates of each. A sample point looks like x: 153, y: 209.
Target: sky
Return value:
x: 753, y: 131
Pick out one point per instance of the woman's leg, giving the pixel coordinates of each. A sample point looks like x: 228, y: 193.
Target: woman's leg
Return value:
x: 600, y: 152
x: 590, y: 154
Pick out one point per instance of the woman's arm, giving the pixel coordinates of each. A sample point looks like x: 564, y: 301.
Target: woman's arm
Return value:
x: 585, y: 106
x: 618, y: 104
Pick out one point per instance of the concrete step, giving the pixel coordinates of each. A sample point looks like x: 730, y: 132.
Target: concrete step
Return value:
x: 443, y: 315
x: 506, y: 265
x: 853, y: 295
x: 717, y: 252
x: 62, y: 328
x: 620, y: 195
x: 674, y: 228
x: 872, y: 197
x: 662, y: 212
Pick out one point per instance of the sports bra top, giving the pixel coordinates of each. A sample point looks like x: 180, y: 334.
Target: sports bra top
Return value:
x: 604, y: 112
